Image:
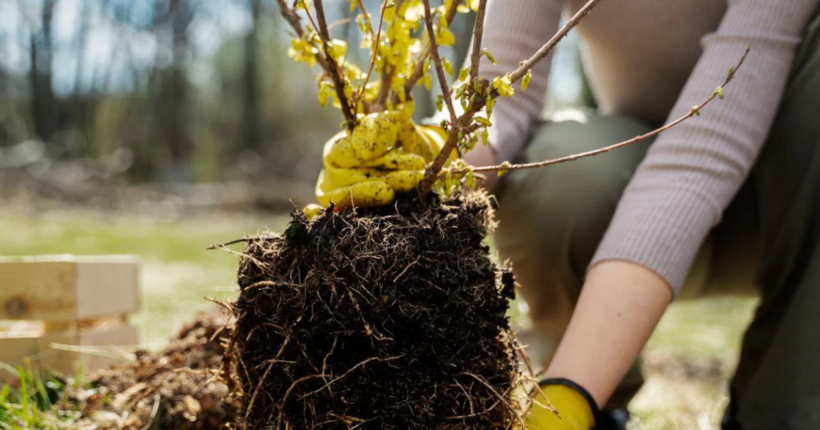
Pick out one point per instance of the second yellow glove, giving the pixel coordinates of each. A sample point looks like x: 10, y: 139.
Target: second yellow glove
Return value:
x: 576, y: 409
x: 384, y: 155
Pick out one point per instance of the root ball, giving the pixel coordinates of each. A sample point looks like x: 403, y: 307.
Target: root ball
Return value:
x: 390, y: 318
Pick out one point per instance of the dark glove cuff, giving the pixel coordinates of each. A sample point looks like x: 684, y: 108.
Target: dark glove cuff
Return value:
x: 596, y: 412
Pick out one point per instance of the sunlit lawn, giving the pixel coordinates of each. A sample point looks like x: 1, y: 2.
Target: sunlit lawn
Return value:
x: 688, y: 359
x: 178, y: 273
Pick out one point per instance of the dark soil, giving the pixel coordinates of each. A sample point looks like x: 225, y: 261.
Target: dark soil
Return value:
x: 392, y: 318
x: 172, y: 390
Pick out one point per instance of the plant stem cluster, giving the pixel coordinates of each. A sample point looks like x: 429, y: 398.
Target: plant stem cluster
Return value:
x: 404, y: 50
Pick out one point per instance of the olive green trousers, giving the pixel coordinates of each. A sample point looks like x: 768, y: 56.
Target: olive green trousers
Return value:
x: 768, y: 243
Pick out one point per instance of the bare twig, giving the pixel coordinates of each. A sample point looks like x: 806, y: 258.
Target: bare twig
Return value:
x: 694, y: 111
x: 291, y: 17
x: 418, y: 71
x: 442, y: 77
x: 380, y: 103
x: 456, y: 125
x: 478, y: 35
x: 366, y: 16
x: 550, y: 45
x: 337, y: 23
x: 310, y: 17
x: 374, y: 55
x: 333, y: 68
x: 325, y: 60
x: 460, y: 127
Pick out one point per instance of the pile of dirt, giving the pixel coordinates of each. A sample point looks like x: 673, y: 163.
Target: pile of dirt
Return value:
x: 389, y: 318
x: 172, y: 390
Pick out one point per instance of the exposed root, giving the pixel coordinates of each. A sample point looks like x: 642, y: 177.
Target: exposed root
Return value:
x: 392, y: 318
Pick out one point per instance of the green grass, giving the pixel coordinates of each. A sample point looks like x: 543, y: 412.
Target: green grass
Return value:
x: 28, y: 405
x: 178, y: 274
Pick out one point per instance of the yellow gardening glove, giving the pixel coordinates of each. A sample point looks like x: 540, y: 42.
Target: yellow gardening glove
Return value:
x: 576, y: 411
x: 385, y: 154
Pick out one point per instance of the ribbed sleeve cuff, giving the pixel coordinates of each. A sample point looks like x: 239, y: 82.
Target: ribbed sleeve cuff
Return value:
x: 659, y: 229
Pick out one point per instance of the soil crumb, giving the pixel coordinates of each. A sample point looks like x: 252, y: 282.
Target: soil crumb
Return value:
x: 172, y: 390
x: 389, y: 318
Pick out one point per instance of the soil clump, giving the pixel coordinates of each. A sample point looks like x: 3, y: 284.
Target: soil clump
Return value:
x: 388, y: 318
x: 171, y: 390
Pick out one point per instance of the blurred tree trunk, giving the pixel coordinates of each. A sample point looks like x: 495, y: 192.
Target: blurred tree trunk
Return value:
x: 82, y: 104
x: 172, y: 102
x: 250, y: 122
x: 44, y: 107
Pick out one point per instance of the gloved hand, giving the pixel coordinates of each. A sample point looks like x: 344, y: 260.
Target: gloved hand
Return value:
x: 576, y: 408
x: 384, y: 155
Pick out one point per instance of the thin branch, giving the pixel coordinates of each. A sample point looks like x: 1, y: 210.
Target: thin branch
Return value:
x: 310, y: 17
x: 380, y: 103
x: 456, y: 125
x: 337, y: 23
x: 366, y: 17
x: 478, y: 34
x: 418, y: 71
x: 291, y: 17
x: 442, y: 77
x: 374, y: 55
x: 334, y: 69
x: 325, y: 61
x: 692, y: 112
x: 552, y: 43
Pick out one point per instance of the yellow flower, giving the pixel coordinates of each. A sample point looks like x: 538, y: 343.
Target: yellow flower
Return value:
x: 302, y: 51
x: 445, y: 37
x: 337, y: 49
x: 504, y: 86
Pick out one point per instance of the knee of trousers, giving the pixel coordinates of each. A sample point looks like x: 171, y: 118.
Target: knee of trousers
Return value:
x: 551, y: 219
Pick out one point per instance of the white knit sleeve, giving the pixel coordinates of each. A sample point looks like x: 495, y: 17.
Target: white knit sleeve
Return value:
x: 693, y: 171
x: 513, y: 31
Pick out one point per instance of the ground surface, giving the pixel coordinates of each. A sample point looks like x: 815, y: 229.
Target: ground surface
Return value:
x: 688, y: 359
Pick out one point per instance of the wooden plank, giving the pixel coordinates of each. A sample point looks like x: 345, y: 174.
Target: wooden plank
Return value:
x: 107, y: 288
x: 14, y: 349
x: 118, y: 341
x: 66, y: 288
x: 72, y: 351
x: 43, y: 290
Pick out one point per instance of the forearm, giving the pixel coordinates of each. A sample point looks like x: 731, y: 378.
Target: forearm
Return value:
x: 619, y: 307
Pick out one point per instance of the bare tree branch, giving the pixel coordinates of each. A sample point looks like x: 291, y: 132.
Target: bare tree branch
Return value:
x: 442, y: 77
x: 291, y: 17
x: 366, y: 16
x: 418, y: 72
x: 373, y: 56
x: 456, y: 124
x: 695, y: 111
x: 334, y: 70
x: 478, y: 34
x: 327, y: 63
x: 480, y: 86
x: 553, y: 42
x: 387, y: 75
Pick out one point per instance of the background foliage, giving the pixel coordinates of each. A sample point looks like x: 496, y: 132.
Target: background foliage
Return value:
x: 174, y: 91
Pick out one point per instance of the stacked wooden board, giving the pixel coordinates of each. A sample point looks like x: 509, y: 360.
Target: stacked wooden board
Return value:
x: 67, y: 313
